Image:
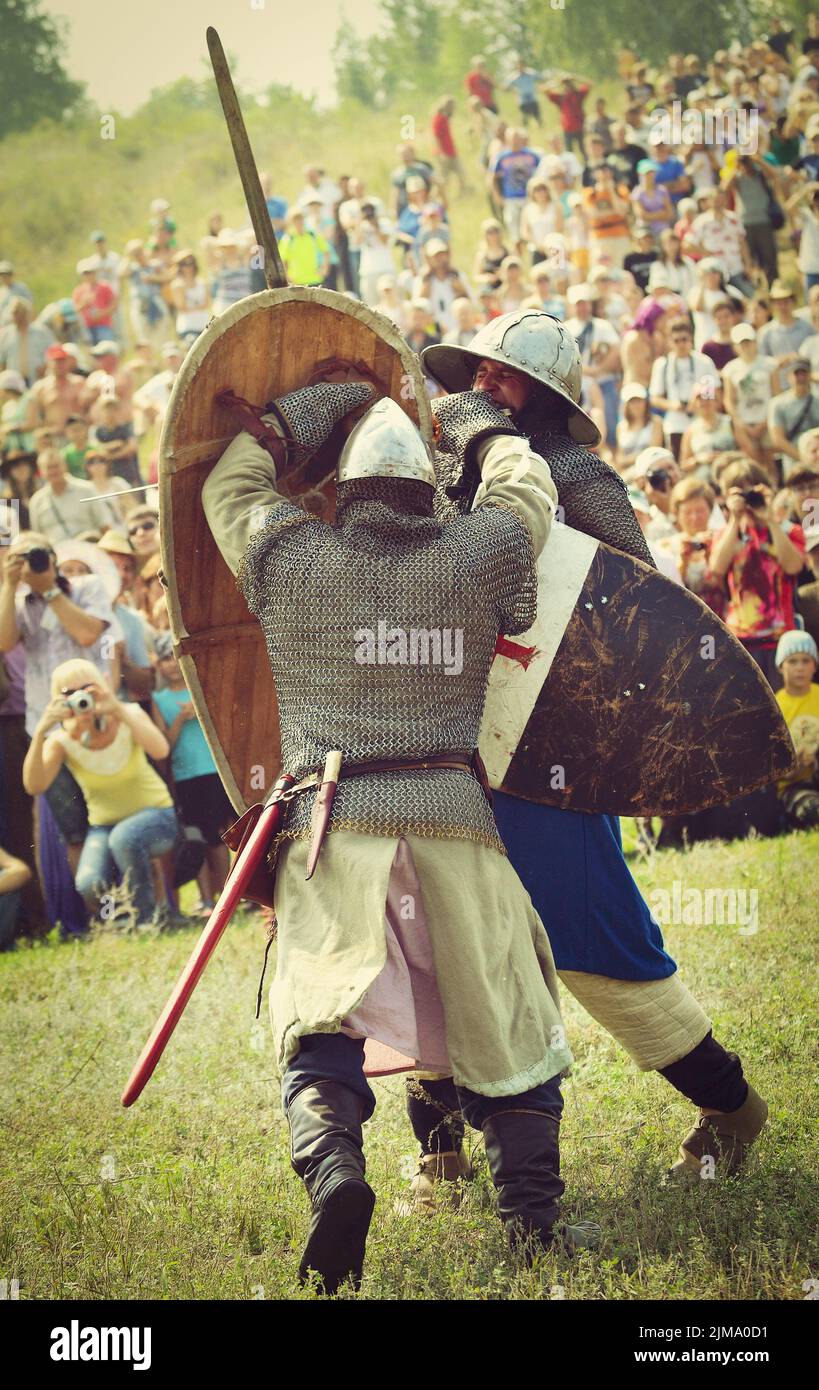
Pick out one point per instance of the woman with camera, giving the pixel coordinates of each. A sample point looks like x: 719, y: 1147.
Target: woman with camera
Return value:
x: 760, y: 558
x: 106, y: 745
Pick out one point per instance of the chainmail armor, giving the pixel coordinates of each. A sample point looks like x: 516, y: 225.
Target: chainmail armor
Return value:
x: 309, y: 415
x: 316, y: 588
x: 591, y: 494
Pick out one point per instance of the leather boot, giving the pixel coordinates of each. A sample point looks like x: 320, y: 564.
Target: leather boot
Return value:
x: 437, y: 1182
x: 327, y: 1152
x: 722, y: 1138
x: 524, y: 1159
x: 434, y: 1113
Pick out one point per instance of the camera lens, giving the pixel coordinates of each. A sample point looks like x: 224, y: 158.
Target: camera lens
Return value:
x: 38, y: 559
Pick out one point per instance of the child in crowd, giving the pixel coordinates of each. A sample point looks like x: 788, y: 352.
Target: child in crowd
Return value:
x: 76, y: 450
x: 797, y: 659
x: 199, y: 792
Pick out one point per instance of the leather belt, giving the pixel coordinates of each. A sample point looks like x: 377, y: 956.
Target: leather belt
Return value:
x: 326, y: 780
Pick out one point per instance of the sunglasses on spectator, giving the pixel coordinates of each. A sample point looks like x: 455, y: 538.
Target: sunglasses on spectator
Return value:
x: 141, y: 526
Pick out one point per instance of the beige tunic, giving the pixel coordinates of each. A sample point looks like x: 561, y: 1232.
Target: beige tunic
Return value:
x: 493, y: 964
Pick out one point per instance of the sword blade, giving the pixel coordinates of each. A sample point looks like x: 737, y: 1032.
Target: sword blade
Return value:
x: 274, y: 272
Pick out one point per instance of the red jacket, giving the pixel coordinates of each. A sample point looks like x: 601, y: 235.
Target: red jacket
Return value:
x: 571, y: 108
x: 443, y: 135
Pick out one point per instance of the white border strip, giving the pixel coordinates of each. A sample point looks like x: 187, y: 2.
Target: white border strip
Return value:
x: 513, y: 689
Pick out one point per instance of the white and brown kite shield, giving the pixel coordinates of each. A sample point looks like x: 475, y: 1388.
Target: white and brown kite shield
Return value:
x: 260, y: 348
x: 628, y: 695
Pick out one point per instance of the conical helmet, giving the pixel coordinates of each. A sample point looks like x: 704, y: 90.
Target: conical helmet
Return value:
x: 385, y: 444
x: 532, y: 342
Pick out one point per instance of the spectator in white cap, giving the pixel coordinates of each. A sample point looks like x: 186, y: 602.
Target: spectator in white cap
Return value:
x: 796, y: 660
x: 599, y: 346
x: 642, y: 510
x: 441, y: 284
x: 638, y: 428
x: 11, y: 289
x: 749, y: 383
x: 654, y: 472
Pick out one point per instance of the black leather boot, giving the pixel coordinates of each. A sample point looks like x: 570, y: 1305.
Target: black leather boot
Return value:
x: 523, y: 1153
x: 327, y: 1152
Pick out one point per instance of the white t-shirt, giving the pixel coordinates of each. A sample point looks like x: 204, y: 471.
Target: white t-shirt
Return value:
x: 675, y: 378
x: 809, y: 244
x: 752, y: 384
x: 721, y: 238
x: 602, y: 334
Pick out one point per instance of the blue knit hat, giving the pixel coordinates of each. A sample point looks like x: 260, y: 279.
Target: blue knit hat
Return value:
x: 796, y: 643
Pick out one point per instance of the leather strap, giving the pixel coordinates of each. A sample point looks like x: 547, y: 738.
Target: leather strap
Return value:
x: 250, y: 418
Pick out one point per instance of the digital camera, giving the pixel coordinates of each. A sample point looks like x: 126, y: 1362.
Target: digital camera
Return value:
x: 38, y: 558
x: 753, y: 498
x: 80, y: 701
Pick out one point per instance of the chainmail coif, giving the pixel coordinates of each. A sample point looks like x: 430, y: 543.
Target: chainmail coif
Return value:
x: 388, y: 566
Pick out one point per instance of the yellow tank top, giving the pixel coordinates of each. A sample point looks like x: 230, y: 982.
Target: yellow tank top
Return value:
x: 116, y: 781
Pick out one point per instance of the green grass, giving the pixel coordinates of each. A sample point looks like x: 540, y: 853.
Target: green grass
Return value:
x: 190, y: 1194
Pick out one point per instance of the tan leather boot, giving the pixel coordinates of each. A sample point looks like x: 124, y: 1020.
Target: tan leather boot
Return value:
x: 718, y: 1144
x: 437, y: 1183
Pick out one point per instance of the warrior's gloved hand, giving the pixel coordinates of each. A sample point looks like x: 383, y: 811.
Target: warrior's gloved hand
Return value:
x: 466, y: 419
x: 309, y: 415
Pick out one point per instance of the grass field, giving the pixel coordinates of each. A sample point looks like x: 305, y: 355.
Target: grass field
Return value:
x: 190, y: 1195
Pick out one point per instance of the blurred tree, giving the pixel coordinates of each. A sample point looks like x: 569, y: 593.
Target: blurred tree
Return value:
x: 355, y: 79
x: 34, y: 84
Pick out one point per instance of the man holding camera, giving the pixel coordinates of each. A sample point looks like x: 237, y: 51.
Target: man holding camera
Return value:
x: 56, y: 620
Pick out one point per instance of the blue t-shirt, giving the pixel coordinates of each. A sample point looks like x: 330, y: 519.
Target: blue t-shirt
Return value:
x: 133, y: 630
x: 277, y: 207
x: 190, y: 755
x: 669, y: 171
x: 525, y: 84
x: 515, y: 168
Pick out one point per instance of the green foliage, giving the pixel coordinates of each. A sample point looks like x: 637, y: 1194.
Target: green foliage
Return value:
x: 33, y: 82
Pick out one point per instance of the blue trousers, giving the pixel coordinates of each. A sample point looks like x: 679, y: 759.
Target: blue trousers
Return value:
x: 126, y: 847
x: 334, y: 1057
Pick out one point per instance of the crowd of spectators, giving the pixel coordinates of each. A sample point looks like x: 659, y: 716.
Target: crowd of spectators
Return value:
x: 676, y: 236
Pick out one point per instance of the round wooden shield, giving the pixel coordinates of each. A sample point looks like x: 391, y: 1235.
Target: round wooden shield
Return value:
x: 260, y: 348
x: 628, y: 695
